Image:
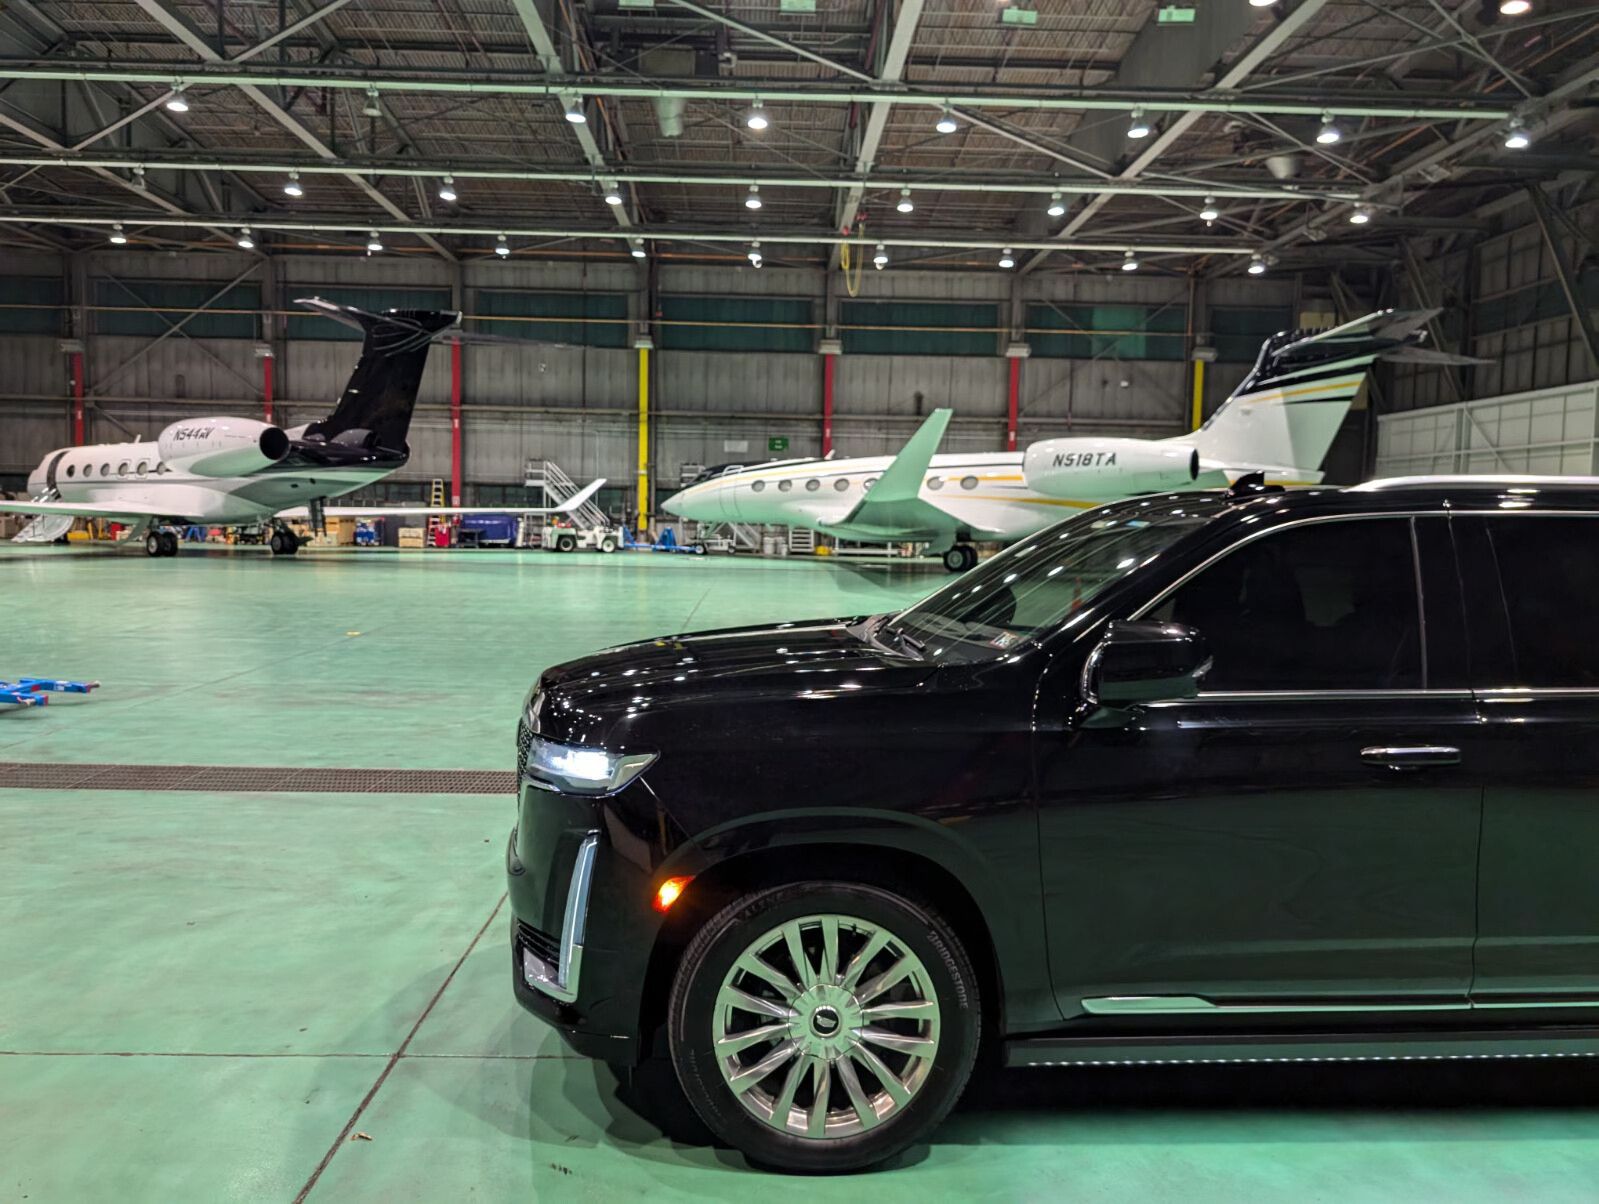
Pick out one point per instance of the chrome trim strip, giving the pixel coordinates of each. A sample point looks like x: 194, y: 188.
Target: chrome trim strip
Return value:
x: 1192, y: 1005
x: 1313, y: 695
x: 560, y: 982
x: 1514, y: 693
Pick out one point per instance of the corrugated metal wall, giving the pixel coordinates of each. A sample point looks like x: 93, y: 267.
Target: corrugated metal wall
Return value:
x: 1549, y: 431
x: 575, y: 404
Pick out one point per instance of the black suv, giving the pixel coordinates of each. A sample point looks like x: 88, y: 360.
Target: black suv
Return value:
x: 1193, y: 778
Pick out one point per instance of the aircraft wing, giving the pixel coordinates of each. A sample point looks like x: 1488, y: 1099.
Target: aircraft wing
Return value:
x: 893, y: 508
x: 81, y: 510
x: 379, y: 511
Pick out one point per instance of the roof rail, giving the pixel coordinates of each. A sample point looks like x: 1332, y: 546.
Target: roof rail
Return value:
x: 1487, y: 480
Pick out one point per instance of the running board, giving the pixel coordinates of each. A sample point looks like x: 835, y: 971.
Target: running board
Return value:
x: 1552, y: 1042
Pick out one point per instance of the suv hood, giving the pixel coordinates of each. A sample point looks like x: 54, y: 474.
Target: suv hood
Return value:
x: 581, y: 700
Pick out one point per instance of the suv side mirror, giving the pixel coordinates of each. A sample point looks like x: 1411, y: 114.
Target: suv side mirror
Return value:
x: 1146, y: 661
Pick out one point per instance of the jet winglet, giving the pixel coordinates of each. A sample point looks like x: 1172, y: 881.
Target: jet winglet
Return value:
x: 901, y: 481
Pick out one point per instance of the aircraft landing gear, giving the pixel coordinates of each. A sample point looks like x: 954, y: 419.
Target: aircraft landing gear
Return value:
x: 283, y: 542
x: 960, y: 558
x: 161, y: 542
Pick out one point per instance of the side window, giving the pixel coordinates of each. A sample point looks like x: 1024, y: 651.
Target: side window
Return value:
x: 1328, y: 606
x: 1549, y: 572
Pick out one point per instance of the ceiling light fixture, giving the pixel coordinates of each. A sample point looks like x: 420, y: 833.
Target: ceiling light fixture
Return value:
x: 1129, y: 262
x: 1209, y: 213
x: 138, y: 177
x: 374, y: 103
x: 574, y: 111
x: 246, y: 243
x: 374, y: 244
x: 447, y: 190
x: 1515, y: 8
x: 1261, y: 3
x: 1329, y: 132
x: 1140, y: 127
x: 117, y: 236
x: 753, y: 200
x: 755, y: 254
x: 638, y: 248
x: 501, y: 247
x: 755, y: 117
x: 1360, y: 216
x: 880, y: 260
x: 906, y: 205
x: 946, y: 123
x: 1057, y: 207
x: 175, y: 102
x: 292, y: 187
x: 1006, y: 259
x: 1257, y: 266
x: 1516, y: 137
x: 613, y: 195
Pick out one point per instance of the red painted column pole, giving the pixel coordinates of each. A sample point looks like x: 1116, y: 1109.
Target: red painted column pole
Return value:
x: 1013, y: 405
x: 77, y: 398
x: 266, y: 388
x: 829, y: 363
x: 455, y: 424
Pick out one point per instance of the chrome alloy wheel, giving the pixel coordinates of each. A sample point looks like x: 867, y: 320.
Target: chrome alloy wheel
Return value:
x: 826, y: 1026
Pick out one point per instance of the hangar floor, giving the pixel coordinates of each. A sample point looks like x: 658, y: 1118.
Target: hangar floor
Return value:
x: 214, y: 994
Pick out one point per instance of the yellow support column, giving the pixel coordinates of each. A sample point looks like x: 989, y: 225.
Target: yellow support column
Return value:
x: 1199, y: 395
x: 643, y: 345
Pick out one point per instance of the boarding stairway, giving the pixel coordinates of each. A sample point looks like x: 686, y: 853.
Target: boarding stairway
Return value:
x: 559, y: 489
x: 46, y: 528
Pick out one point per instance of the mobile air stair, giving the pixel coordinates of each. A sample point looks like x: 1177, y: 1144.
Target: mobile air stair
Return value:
x: 46, y: 528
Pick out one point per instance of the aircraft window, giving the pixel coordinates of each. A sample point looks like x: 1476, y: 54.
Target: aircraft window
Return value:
x: 812, y: 485
x: 758, y: 487
x: 72, y: 470
x: 868, y: 482
x: 105, y: 470
x: 122, y: 469
x: 144, y: 468
x: 785, y: 486
x: 841, y: 484
x: 968, y: 482
x: 935, y: 482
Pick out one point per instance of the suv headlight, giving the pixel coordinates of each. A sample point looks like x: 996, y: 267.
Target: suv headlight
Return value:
x: 573, y: 770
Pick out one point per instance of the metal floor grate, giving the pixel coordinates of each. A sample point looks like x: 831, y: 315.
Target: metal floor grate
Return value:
x: 51, y: 775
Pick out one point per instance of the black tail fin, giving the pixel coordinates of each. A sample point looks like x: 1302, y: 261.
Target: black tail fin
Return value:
x: 374, y: 411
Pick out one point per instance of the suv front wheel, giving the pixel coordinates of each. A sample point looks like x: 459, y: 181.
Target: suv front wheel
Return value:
x: 824, y: 1025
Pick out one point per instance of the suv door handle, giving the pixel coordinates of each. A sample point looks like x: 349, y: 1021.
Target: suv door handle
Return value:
x: 1413, y: 756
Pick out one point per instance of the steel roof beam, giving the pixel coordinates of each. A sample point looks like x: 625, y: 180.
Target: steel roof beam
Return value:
x: 549, y: 57
x: 1466, y: 108
x: 1221, y: 190
x: 195, y: 41
x: 1261, y: 52
x: 490, y: 230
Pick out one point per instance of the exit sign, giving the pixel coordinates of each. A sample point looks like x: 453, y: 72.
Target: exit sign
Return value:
x: 1177, y: 14
x: 777, y: 443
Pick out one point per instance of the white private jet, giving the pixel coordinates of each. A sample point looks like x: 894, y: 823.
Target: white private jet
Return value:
x: 236, y: 471
x: 1279, y: 422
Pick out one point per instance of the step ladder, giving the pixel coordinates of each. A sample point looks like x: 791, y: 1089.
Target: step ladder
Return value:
x: 558, y: 489
x: 435, y: 521
x: 801, y: 541
x: 46, y: 528
x: 746, y: 537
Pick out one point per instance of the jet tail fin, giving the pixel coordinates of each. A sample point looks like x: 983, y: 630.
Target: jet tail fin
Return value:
x: 375, y: 409
x: 1287, y: 411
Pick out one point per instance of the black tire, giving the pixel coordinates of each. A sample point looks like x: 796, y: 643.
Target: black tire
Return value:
x: 608, y: 544
x: 698, y: 549
x: 153, y: 545
x: 710, y: 959
x: 276, y: 543
x: 566, y: 543
x: 961, y: 558
x: 169, y: 543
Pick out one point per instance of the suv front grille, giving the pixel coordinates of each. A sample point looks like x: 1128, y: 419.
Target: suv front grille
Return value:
x: 543, y: 946
x: 524, y: 741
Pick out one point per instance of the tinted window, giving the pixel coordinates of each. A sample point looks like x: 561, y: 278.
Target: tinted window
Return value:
x: 1330, y: 606
x: 1549, y: 570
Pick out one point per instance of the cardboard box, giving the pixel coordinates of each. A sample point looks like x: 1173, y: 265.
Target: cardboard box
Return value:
x: 413, y: 537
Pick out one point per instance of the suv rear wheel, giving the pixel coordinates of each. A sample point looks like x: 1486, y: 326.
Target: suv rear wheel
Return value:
x: 824, y: 1025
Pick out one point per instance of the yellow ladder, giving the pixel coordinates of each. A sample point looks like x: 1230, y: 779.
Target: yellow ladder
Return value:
x: 435, y: 521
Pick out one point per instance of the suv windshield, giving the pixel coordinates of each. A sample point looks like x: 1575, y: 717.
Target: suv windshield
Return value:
x: 1034, y: 585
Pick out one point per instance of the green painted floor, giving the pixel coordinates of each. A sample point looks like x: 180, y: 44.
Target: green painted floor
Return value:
x: 203, y: 992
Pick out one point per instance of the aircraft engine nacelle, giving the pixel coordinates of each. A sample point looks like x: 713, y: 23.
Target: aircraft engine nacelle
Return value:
x: 1107, y: 468
x: 222, y: 447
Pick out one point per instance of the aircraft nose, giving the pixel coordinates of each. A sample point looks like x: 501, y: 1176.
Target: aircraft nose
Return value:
x: 677, y: 505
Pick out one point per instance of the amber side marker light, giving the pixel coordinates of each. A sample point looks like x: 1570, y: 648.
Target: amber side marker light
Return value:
x: 670, y: 891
